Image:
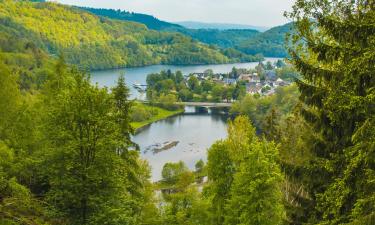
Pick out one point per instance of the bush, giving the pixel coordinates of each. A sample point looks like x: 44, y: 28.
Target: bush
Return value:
x: 168, y: 102
x: 141, y: 113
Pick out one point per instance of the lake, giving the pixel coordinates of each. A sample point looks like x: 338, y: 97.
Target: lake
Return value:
x: 183, y: 137
x: 138, y: 75
x: 194, y: 132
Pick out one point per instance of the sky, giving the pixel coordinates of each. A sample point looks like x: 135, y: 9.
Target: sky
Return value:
x: 266, y: 13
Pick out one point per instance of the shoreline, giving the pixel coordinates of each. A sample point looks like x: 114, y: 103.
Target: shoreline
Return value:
x: 137, y: 126
x: 161, y: 64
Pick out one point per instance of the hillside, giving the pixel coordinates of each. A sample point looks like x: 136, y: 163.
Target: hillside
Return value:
x: 245, y: 41
x: 270, y: 43
x: 99, y: 43
x: 150, y: 21
x: 222, y: 38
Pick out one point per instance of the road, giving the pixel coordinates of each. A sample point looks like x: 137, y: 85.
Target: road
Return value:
x: 206, y: 104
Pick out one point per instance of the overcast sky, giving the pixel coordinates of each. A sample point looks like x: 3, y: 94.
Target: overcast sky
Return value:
x: 251, y: 12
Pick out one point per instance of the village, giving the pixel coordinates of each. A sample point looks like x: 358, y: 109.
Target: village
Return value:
x: 263, y: 80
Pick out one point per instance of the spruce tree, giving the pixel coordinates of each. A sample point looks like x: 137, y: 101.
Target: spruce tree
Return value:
x: 334, y: 49
x: 255, y: 194
x: 245, y: 178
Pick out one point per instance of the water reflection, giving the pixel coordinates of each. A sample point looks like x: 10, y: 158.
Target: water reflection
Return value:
x: 194, y: 131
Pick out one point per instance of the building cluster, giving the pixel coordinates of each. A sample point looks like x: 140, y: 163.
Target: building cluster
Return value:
x: 254, y: 83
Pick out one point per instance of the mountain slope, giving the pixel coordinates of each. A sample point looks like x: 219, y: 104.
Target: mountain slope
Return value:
x: 222, y: 38
x: 97, y: 42
x: 150, y: 21
x: 270, y: 43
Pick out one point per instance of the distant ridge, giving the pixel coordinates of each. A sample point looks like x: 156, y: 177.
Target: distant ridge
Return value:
x: 150, y: 21
x: 234, y: 39
x: 219, y: 26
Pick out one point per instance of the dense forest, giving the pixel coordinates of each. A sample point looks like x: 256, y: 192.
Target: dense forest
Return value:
x: 303, y: 156
x: 150, y: 21
x: 93, y: 42
x: 269, y: 43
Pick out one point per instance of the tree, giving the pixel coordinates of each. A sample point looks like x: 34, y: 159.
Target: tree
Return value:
x: 220, y: 170
x: 199, y: 166
x: 179, y: 77
x: 217, y: 93
x: 10, y: 99
x: 193, y: 83
x: 337, y: 88
x: 239, y: 91
x: 185, y: 95
x: 172, y: 171
x: 168, y: 101
x: 269, y: 66
x: 123, y: 106
x: 86, y: 174
x: 207, y: 85
x: 279, y: 63
x: 234, y: 73
x: 271, y: 126
x: 245, y: 178
x: 256, y: 196
x: 17, y: 204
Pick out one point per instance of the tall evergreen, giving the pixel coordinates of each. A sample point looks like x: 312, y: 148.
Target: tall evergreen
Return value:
x: 220, y: 172
x: 335, y: 52
x: 245, y: 178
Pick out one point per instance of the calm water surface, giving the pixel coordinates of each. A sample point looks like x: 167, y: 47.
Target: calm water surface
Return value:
x: 194, y: 131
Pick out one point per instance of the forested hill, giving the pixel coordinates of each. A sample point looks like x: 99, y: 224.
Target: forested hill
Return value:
x: 269, y: 43
x: 150, y: 21
x: 99, y: 43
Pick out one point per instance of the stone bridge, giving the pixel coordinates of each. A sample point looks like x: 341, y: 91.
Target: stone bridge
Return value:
x: 202, y: 104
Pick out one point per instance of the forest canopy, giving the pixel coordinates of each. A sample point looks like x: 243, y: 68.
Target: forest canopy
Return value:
x: 93, y: 42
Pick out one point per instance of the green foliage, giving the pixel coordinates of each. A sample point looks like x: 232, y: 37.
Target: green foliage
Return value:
x: 337, y: 89
x: 17, y: 205
x: 170, y: 84
x: 95, y: 42
x: 183, y: 204
x: 258, y: 109
x: 287, y: 72
x: 64, y: 155
x: 241, y: 44
x: 270, y: 43
x: 220, y: 170
x: 91, y: 171
x: 245, y: 178
x: 172, y: 171
x: 256, y: 193
x: 150, y: 21
x: 141, y: 113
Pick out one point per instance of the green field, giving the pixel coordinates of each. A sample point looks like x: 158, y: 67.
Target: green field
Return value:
x: 161, y: 114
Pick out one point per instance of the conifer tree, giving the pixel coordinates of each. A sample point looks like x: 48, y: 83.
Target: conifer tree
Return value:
x: 255, y: 195
x: 245, y: 178
x: 335, y: 52
x: 220, y: 172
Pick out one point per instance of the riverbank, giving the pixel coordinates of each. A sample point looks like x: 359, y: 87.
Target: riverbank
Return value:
x: 159, y: 115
